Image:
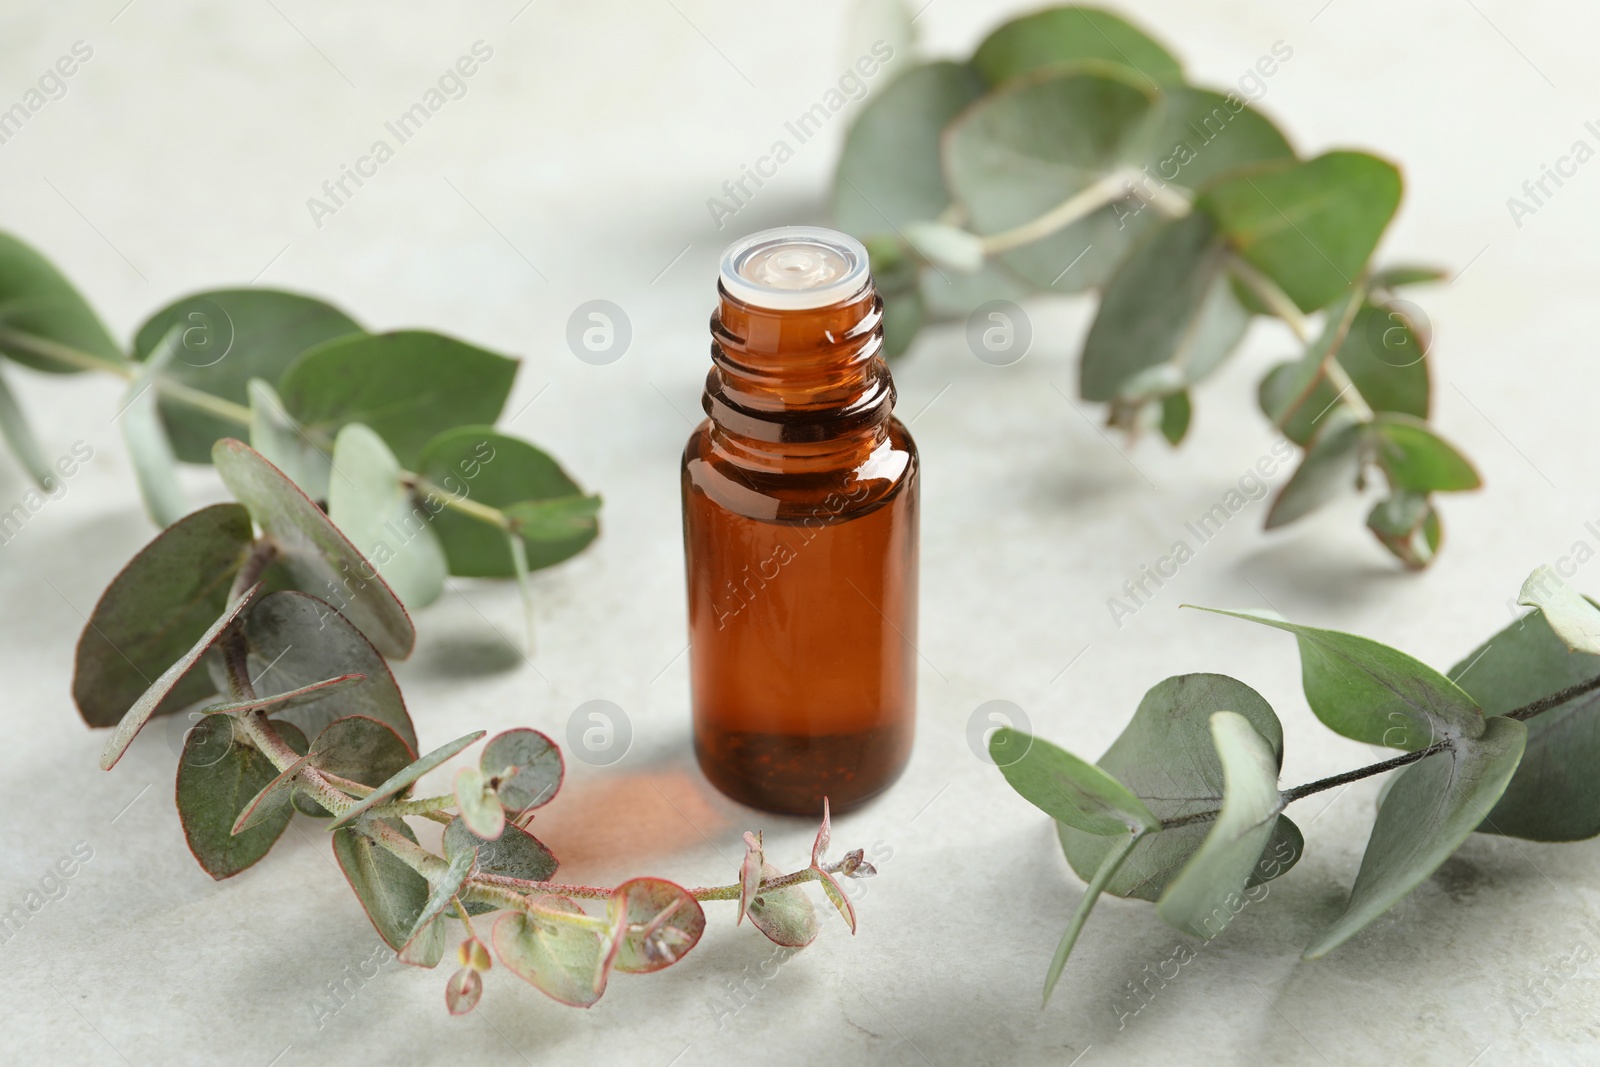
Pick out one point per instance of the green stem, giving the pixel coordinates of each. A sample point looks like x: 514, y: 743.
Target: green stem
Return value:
x: 467, y: 506
x: 74, y: 357
x: 1112, y: 187
x: 1405, y: 759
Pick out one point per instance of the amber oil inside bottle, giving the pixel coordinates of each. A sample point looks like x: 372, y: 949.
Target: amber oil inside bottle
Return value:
x: 800, y: 534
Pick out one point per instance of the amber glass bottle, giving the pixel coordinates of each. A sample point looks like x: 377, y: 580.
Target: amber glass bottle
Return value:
x: 800, y: 532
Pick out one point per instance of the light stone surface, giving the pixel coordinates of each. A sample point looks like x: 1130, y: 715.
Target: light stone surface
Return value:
x: 577, y: 167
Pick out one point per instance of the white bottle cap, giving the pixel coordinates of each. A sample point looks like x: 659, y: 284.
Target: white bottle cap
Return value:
x: 794, y: 267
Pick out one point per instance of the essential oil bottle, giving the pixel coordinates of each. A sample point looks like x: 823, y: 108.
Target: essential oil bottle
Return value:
x: 800, y: 533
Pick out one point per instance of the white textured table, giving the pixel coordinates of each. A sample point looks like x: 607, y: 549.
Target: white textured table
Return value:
x: 576, y: 167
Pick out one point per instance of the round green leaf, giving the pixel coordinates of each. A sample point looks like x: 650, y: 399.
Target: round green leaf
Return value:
x: 1063, y: 35
x: 317, y: 555
x: 529, y: 767
x: 1200, y: 901
x: 371, y: 502
x: 218, y: 779
x: 392, y: 894
x: 663, y: 922
x: 889, y: 169
x: 1167, y: 758
x: 155, y: 610
x: 359, y: 748
x: 294, y: 639
x: 1026, y: 148
x: 1406, y: 524
x: 1431, y: 808
x: 1571, y: 617
x: 514, y: 854
x: 408, y: 386
x: 492, y: 468
x: 1555, y: 794
x: 38, y: 304
x: 784, y: 915
x: 226, y: 338
x: 480, y: 808
x: 563, y: 959
x: 1309, y: 226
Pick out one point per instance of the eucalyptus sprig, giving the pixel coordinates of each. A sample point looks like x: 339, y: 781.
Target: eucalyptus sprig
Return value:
x: 295, y: 709
x: 1069, y: 153
x: 1184, y: 808
x: 392, y: 432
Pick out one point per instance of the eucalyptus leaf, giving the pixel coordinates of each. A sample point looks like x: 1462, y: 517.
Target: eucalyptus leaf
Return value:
x: 1064, y: 35
x: 529, y: 765
x: 1417, y: 459
x: 1571, y: 617
x: 1555, y: 794
x: 282, y: 442
x: 480, y: 808
x: 218, y: 778
x: 279, y: 702
x: 1329, y: 468
x: 1066, y: 788
x: 1167, y: 758
x: 408, y: 386
x: 1300, y: 412
x: 564, y: 960
x: 19, y: 437
x: 155, y: 466
x: 391, y: 893
x: 1384, y: 355
x: 559, y: 520
x: 425, y: 945
x: 661, y: 922
x: 784, y: 915
x: 226, y: 338
x: 1303, y: 394
x: 405, y: 778
x: 316, y: 554
x: 1098, y: 131
x: 155, y: 610
x: 357, y: 748
x: 38, y: 304
x: 1395, y: 277
x: 903, y: 314
x: 1170, y: 306
x: 1199, y: 901
x: 272, y: 801
x: 1309, y: 226
x: 889, y: 169
x: 370, y: 500
x: 479, y: 463
x: 161, y: 689
x: 1370, y: 692
x: 1115, y: 856
x: 514, y: 854
x: 1175, y: 414
x: 1431, y: 808
x: 1406, y: 524
x: 294, y: 639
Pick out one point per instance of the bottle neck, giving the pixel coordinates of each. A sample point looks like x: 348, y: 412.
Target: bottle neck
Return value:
x: 801, y: 389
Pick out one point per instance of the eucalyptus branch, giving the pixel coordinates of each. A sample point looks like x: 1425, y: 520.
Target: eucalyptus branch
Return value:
x: 1108, y: 189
